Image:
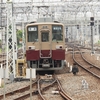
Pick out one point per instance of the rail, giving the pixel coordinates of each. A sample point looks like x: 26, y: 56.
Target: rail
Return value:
x: 94, y: 67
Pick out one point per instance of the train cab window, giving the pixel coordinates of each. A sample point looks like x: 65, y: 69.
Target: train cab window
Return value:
x: 44, y: 36
x: 57, y: 34
x: 32, y: 34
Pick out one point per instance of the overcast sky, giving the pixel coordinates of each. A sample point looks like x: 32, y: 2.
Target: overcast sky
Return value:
x: 18, y: 0
x: 32, y: 0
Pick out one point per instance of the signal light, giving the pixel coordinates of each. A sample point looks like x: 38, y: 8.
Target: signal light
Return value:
x: 92, y: 18
x: 77, y: 26
x: 91, y: 21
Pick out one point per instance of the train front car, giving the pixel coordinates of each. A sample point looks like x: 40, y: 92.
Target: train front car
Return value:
x: 45, y: 46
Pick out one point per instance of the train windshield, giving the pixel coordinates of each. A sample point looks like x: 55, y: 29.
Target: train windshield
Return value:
x: 45, y: 36
x: 32, y: 34
x: 57, y: 33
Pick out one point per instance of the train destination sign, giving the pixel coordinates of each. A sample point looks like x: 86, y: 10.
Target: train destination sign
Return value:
x: 57, y: 28
x: 32, y: 28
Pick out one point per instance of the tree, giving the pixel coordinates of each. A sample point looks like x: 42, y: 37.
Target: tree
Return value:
x: 19, y: 36
x: 0, y: 43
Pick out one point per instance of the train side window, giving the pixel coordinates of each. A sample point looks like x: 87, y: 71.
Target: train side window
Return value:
x: 44, y: 36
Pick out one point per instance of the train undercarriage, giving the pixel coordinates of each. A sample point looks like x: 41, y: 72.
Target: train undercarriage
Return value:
x: 43, y: 65
x: 46, y: 64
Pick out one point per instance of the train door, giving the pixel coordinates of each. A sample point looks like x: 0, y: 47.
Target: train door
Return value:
x: 45, y: 44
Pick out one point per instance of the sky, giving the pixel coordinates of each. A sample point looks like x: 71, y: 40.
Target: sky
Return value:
x: 18, y: 0
x: 32, y: 0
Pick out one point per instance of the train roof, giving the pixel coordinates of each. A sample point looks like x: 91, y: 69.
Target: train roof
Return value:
x: 44, y: 21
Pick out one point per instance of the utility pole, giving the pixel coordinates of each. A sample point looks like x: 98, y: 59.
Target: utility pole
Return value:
x: 4, y: 84
x: 92, y: 24
x: 30, y: 83
x: 23, y: 39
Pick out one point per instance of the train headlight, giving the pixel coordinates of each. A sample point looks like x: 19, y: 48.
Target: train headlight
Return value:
x: 59, y: 46
x: 31, y: 47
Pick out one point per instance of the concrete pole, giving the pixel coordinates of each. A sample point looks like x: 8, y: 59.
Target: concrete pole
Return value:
x: 92, y: 39
x: 30, y: 83
x: 97, y: 27
x: 4, y: 85
x: 0, y: 82
x: 23, y: 39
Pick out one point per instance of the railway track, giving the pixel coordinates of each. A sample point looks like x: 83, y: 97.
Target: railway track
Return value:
x: 37, y: 91
x: 62, y: 92
x: 19, y: 91
x: 59, y: 89
x: 81, y: 61
x: 24, y: 93
x: 3, y: 57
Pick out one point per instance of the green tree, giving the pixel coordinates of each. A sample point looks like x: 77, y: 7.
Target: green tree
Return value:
x: 19, y: 36
x: 98, y: 41
x: 0, y: 44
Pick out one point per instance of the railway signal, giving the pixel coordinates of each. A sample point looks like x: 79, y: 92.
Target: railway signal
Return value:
x: 92, y: 24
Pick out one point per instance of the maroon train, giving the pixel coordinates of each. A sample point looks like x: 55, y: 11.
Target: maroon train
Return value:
x: 45, y: 45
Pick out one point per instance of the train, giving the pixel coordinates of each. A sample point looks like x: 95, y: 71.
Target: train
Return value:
x: 45, y: 45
